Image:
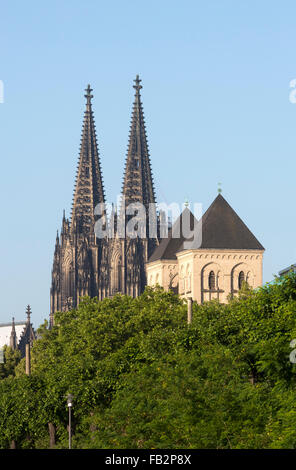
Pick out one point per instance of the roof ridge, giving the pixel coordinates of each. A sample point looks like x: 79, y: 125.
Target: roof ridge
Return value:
x: 17, y: 323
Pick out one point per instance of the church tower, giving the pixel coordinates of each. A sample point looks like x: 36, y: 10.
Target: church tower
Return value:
x: 100, y: 266
x: 215, y: 263
x: 78, y: 252
x: 130, y: 251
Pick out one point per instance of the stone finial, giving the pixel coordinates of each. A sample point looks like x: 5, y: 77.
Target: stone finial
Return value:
x: 137, y: 85
x: 88, y: 95
x: 219, y: 188
x: 28, y: 311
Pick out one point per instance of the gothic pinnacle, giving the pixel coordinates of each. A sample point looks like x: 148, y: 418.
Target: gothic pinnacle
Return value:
x: 28, y: 312
x: 13, y: 338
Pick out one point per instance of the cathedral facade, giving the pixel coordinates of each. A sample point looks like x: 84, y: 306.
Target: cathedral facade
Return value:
x: 87, y: 265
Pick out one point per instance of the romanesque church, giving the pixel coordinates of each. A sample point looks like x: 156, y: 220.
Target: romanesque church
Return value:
x: 84, y: 264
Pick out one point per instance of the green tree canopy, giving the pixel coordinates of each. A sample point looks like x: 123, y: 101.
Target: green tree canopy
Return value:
x: 143, y: 378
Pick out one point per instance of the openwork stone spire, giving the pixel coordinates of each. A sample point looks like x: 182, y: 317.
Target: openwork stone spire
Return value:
x: 89, y: 190
x: 138, y: 181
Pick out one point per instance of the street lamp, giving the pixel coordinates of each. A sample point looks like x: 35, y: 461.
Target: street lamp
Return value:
x: 70, y: 404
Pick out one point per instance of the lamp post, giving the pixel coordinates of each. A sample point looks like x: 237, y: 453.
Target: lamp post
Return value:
x: 70, y: 404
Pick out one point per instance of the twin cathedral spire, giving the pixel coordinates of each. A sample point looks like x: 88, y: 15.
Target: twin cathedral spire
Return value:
x: 89, y: 189
x: 84, y: 264
x: 138, y: 181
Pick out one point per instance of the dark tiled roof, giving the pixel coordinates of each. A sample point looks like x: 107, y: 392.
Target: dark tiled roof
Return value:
x: 219, y: 228
x: 222, y: 228
x: 168, y: 247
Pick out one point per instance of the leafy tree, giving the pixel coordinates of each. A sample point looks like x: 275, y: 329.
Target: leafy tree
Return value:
x: 188, y: 401
x: 142, y: 377
x: 11, y: 359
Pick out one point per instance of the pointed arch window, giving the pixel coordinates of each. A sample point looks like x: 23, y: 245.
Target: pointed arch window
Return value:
x: 116, y: 272
x: 212, y: 280
x: 241, y: 278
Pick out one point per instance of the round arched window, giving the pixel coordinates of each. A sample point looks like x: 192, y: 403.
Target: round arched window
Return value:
x: 212, y: 280
x: 241, y: 278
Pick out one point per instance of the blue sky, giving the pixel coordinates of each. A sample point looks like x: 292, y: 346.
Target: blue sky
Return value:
x: 216, y: 78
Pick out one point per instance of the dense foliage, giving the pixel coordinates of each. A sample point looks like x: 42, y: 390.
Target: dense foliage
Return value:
x: 143, y: 378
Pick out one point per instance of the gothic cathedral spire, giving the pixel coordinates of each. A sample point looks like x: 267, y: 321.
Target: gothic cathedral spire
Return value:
x: 89, y: 189
x: 77, y: 254
x: 138, y: 181
x: 86, y: 265
x: 130, y: 253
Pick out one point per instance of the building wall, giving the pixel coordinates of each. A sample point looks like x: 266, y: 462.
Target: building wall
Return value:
x: 194, y: 268
x: 163, y: 273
